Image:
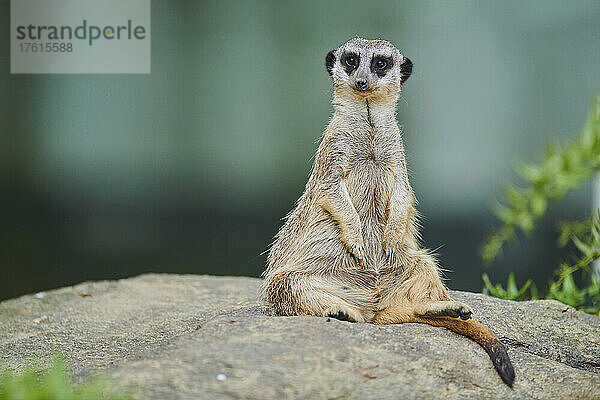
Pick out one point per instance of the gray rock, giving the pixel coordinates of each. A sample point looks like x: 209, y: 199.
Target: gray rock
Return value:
x: 201, y: 337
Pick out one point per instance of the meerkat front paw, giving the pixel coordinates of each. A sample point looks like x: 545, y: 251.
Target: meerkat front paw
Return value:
x: 359, y: 256
x: 343, y: 314
x: 393, y: 236
x: 356, y: 249
x: 392, y: 239
x: 390, y: 247
x: 453, y: 309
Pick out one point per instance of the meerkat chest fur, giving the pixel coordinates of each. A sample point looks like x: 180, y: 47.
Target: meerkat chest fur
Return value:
x: 374, y: 157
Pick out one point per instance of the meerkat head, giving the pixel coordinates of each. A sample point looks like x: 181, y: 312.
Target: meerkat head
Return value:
x: 368, y: 68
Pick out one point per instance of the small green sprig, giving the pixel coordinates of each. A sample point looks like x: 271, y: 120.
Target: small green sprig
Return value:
x: 53, y: 383
x: 512, y: 291
x: 585, y: 235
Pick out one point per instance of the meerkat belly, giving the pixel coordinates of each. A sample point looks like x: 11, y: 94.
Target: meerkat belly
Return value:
x: 369, y: 185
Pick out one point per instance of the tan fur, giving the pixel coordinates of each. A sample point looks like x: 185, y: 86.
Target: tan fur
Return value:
x: 350, y: 247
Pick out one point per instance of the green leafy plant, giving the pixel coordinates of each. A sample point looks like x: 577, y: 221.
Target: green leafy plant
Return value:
x: 560, y: 170
x: 52, y: 383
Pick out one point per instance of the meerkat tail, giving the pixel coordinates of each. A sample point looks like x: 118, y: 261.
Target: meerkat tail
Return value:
x: 481, y: 334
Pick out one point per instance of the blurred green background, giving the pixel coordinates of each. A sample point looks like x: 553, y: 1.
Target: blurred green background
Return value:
x: 191, y: 168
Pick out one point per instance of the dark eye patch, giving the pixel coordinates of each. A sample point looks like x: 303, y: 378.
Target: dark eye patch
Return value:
x: 350, y: 61
x: 381, y: 65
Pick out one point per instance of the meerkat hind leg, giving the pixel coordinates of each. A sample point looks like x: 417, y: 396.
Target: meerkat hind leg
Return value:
x: 319, y: 295
x: 421, y: 293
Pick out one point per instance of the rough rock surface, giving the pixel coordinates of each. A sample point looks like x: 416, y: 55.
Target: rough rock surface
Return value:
x: 196, y: 337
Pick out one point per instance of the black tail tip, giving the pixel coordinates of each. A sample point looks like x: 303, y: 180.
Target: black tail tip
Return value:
x: 502, y: 364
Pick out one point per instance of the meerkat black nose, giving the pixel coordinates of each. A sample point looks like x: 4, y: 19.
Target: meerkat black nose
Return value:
x: 361, y: 84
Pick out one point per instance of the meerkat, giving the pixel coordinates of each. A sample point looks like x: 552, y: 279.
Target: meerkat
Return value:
x: 350, y: 248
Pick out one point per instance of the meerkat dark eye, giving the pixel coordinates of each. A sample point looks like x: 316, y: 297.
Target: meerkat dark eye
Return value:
x: 380, y: 64
x: 350, y: 62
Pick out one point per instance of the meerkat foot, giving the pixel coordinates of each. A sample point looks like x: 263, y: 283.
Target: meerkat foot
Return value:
x: 343, y: 314
x: 454, y: 309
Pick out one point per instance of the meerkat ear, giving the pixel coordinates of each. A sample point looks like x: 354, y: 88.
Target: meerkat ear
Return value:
x: 405, y: 69
x: 329, y: 61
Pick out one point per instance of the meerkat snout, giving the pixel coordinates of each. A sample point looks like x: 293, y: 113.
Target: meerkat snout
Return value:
x: 361, y: 84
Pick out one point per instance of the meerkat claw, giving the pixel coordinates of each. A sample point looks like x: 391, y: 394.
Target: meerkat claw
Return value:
x: 465, y: 313
x: 389, y: 256
x: 360, y: 259
x: 365, y: 263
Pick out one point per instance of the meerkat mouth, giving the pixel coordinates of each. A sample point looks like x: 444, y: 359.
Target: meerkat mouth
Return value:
x: 362, y: 92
